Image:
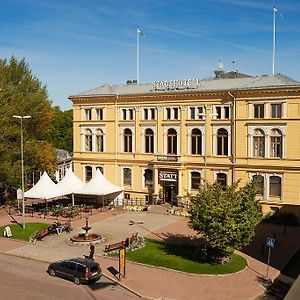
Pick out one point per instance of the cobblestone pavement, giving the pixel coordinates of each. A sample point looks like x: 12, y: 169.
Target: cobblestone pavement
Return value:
x: 151, y: 282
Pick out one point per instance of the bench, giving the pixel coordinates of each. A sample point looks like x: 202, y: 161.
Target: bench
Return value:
x: 41, y: 234
x: 115, y: 246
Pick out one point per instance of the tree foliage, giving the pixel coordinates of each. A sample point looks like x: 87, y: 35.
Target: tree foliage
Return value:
x: 21, y: 93
x: 61, y: 135
x: 225, y: 217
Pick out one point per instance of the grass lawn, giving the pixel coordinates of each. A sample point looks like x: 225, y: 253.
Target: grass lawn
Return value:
x: 19, y: 233
x: 182, y: 257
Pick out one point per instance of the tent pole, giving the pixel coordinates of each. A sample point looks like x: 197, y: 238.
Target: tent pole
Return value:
x: 73, y: 201
x: 103, y: 202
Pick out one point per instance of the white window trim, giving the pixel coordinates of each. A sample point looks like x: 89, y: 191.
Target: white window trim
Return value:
x: 189, y: 139
x: 104, y: 111
x: 94, y: 129
x: 221, y: 171
x: 215, y: 140
x: 266, y: 176
x: 172, y: 113
x: 177, y: 129
x: 267, y: 129
x: 122, y: 128
x: 198, y: 116
x: 143, y: 129
x: 127, y: 113
x: 122, y: 176
x: 190, y: 178
x: 149, y: 113
x: 214, y: 117
x: 267, y: 107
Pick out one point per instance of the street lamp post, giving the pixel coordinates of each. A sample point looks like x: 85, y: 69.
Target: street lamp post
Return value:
x: 205, y: 115
x: 22, y: 166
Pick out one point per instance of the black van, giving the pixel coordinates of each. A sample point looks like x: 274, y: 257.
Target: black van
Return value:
x: 79, y: 270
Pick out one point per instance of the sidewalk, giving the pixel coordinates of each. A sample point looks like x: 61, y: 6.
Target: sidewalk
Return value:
x: 152, y: 282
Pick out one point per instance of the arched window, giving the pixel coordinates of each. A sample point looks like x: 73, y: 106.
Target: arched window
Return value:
x: 127, y: 140
x: 88, y: 173
x: 258, y: 143
x: 222, y: 179
x: 148, y: 177
x: 196, y: 141
x: 99, y: 141
x: 127, y: 176
x: 88, y: 140
x: 259, y: 184
x: 195, y: 180
x: 275, y: 186
x: 276, y: 143
x: 222, y: 142
x: 172, y: 141
x: 149, y: 141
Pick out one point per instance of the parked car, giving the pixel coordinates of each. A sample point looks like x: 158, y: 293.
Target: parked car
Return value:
x: 79, y: 270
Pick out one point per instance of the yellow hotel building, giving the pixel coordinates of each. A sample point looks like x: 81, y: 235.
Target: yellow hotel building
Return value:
x: 163, y: 139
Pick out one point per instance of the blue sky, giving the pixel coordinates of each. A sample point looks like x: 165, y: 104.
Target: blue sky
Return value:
x: 76, y: 45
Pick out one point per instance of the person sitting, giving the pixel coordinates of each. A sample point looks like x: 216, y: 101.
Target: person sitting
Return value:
x: 59, y: 228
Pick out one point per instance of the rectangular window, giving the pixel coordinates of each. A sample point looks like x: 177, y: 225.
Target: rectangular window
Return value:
x: 259, y: 111
x: 88, y: 114
x: 99, y: 113
x: 176, y: 113
x: 149, y: 113
x: 124, y: 114
x: 131, y: 114
x: 196, y: 113
x: 219, y: 112
x: 172, y: 113
x: 168, y: 111
x: 276, y: 111
x: 226, y: 112
x: 145, y: 113
x: 192, y: 113
x: 128, y: 114
x: 152, y: 113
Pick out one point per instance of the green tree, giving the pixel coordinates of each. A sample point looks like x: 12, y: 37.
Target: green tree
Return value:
x: 21, y: 93
x: 61, y: 135
x: 226, y: 217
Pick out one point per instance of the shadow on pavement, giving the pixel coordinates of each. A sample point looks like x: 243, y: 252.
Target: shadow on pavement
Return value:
x: 113, y: 271
x: 286, y: 244
x: 100, y: 285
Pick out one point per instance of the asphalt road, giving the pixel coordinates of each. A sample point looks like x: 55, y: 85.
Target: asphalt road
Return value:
x: 23, y: 279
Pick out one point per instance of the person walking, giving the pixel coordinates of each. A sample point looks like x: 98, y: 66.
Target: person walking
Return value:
x: 92, y: 252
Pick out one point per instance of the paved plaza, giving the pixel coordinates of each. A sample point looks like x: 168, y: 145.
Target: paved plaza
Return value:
x: 157, y: 283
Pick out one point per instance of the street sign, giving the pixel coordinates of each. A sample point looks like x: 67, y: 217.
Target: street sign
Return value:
x: 270, y: 242
x: 122, y: 254
x: 19, y: 194
x: 122, y: 257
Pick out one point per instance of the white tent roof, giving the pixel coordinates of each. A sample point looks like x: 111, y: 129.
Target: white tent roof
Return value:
x: 98, y: 186
x: 70, y: 183
x: 45, y: 188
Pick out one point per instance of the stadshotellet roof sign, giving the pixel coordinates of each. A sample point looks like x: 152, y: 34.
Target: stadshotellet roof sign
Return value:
x: 175, y: 84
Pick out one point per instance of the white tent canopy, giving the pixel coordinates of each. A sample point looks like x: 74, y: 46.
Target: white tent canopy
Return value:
x: 99, y: 186
x: 70, y: 183
x: 45, y: 189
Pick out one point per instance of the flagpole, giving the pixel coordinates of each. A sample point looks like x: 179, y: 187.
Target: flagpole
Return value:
x: 137, y: 55
x: 274, y: 38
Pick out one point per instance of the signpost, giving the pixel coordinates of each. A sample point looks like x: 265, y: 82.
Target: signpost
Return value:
x: 270, y: 243
x: 122, y: 254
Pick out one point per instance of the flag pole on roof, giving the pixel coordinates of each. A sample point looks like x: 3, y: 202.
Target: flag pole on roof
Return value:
x: 138, y: 33
x: 275, y: 11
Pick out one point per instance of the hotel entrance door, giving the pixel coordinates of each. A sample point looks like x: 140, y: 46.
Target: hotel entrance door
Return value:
x: 168, y: 182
